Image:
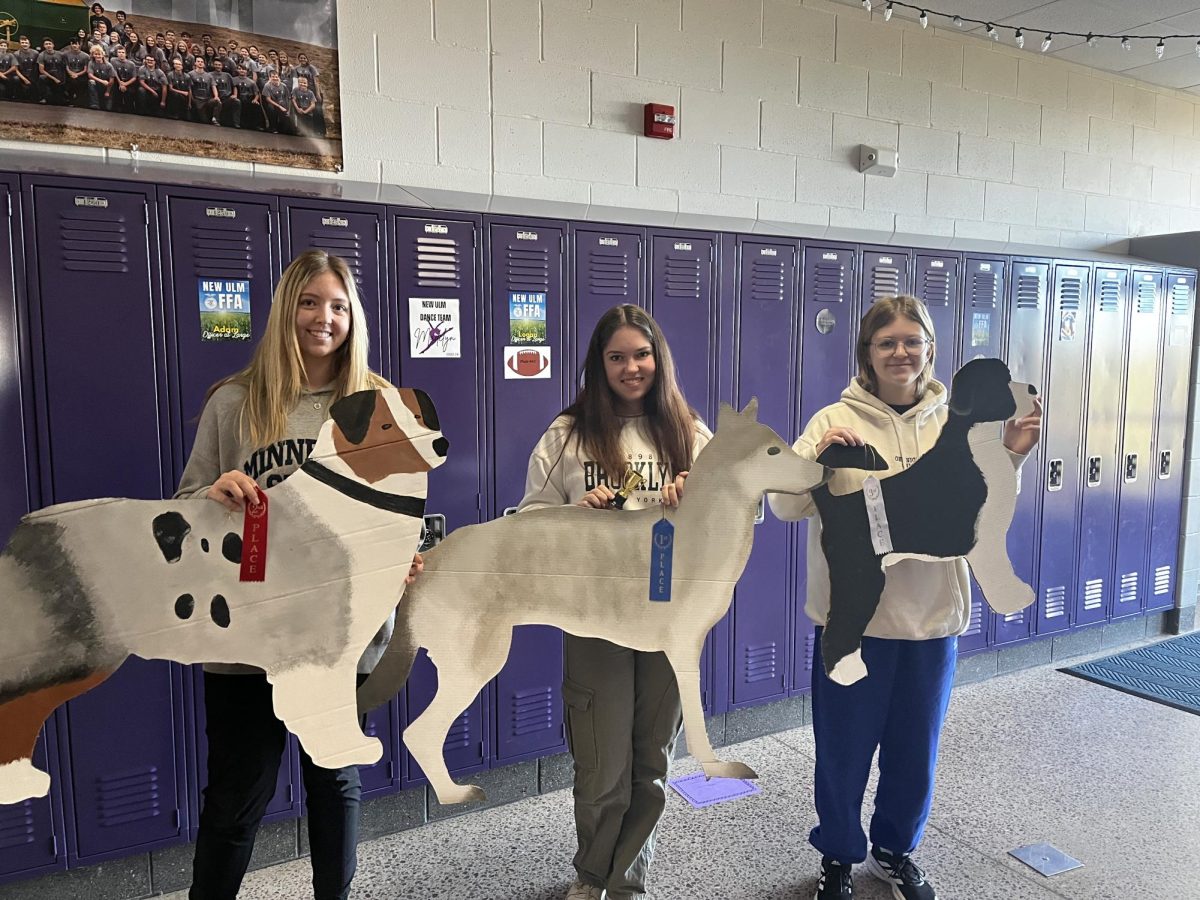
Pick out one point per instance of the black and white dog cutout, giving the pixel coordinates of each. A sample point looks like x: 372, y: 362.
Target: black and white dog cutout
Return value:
x: 956, y: 501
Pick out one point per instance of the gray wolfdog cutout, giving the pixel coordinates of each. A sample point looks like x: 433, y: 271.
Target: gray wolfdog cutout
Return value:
x: 956, y: 501
x: 84, y: 585
x: 588, y: 573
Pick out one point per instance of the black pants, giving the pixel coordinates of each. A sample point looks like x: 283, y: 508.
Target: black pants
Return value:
x: 245, y: 745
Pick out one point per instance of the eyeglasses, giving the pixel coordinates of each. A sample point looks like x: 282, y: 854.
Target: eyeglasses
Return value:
x: 912, y: 345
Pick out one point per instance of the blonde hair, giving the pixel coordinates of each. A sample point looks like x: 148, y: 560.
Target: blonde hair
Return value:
x: 883, y: 313
x: 274, y: 379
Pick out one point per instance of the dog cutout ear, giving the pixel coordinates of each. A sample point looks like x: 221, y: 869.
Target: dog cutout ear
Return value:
x: 839, y: 456
x: 962, y: 394
x: 750, y: 410
x: 725, y: 415
x: 353, y: 414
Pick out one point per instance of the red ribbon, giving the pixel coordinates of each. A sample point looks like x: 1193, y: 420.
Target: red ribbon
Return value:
x: 254, y: 540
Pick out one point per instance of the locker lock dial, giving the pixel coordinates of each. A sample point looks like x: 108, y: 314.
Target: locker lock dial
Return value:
x: 1131, y: 466
x: 1164, y: 464
x: 433, y: 530
x: 1056, y: 474
x: 1093, y: 473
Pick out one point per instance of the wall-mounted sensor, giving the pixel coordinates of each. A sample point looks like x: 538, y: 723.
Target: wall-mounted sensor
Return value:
x: 877, y: 160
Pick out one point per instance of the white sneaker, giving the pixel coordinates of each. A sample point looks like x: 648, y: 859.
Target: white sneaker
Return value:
x: 581, y: 891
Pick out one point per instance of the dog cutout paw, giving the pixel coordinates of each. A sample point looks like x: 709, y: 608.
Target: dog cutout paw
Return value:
x: 21, y: 780
x: 366, y: 753
x: 728, y: 769
x: 461, y: 793
x: 849, y: 669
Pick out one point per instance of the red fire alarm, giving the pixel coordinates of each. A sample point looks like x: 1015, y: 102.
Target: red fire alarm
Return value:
x: 660, y: 121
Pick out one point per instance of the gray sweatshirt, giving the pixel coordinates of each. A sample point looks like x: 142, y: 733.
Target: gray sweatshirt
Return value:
x: 221, y: 446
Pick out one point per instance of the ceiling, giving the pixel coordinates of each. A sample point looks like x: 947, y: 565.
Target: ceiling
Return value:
x: 1179, y: 67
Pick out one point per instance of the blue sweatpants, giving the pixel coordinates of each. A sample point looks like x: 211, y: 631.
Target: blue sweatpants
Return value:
x: 898, y: 707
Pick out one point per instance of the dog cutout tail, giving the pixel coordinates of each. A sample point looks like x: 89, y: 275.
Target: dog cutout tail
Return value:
x: 389, y: 676
x: 839, y: 456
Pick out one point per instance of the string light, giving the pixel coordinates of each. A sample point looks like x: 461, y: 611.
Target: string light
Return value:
x: 992, y: 32
x: 887, y: 13
x: 1124, y: 43
x: 1160, y: 48
x: 1046, y: 42
x: 958, y: 22
x: 1197, y: 48
x: 866, y: 5
x: 1020, y: 38
x: 924, y: 19
x: 1091, y: 40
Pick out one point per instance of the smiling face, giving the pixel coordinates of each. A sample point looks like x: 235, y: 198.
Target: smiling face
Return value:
x: 322, y: 317
x: 897, y: 366
x: 629, y: 368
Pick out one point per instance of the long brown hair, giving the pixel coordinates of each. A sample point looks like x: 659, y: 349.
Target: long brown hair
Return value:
x: 274, y: 379
x: 883, y: 313
x: 595, y: 424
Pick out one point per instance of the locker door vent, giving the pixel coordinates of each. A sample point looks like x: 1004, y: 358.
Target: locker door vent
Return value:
x: 885, y: 281
x: 1070, y: 293
x: 93, y: 245
x: 372, y: 729
x: 1129, y: 588
x: 760, y: 662
x: 1181, y: 299
x: 1093, y: 593
x: 1162, y: 581
x: 985, y: 290
x: 1015, y: 618
x: 975, y: 626
x: 533, y: 711
x: 608, y: 272
x: 343, y: 242
x: 767, y: 280
x: 1147, y: 297
x: 459, y: 736
x: 810, y: 648
x: 1110, y: 296
x: 935, y: 287
x: 439, y: 263
x: 682, y: 279
x: 222, y: 252
x: 829, y: 282
x: 128, y: 797
x: 1055, y: 604
x: 528, y: 268
x: 1029, y: 291
x: 16, y: 825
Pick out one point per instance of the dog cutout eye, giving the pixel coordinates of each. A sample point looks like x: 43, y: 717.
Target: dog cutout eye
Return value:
x: 773, y: 451
x: 387, y: 426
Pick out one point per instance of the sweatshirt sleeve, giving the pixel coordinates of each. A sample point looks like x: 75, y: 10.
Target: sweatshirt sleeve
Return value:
x: 545, y: 478
x: 703, y: 436
x: 204, y: 465
x: 793, y: 507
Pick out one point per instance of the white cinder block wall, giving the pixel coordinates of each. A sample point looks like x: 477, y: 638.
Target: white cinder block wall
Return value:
x: 537, y: 105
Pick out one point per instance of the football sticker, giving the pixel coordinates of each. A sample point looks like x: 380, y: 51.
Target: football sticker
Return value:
x: 526, y: 362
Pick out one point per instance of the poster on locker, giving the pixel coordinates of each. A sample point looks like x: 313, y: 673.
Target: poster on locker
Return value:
x: 224, y: 309
x: 526, y: 362
x: 434, y: 330
x: 253, y: 81
x: 527, y: 317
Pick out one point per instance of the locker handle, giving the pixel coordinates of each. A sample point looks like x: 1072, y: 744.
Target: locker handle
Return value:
x: 1131, y: 467
x: 509, y: 510
x: 433, y: 530
x: 1164, y: 464
x: 1093, y: 474
x: 761, y: 515
x: 1055, y: 475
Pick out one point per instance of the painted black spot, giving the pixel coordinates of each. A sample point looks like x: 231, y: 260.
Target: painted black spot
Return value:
x: 170, y: 528
x: 220, y: 611
x: 204, y: 544
x: 353, y: 415
x: 231, y: 547
x: 185, y: 605
x: 441, y: 446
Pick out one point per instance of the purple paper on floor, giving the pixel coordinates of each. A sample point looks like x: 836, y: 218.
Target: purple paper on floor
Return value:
x: 701, y: 792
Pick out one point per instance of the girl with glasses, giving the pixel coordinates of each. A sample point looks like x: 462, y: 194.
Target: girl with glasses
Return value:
x: 910, y: 647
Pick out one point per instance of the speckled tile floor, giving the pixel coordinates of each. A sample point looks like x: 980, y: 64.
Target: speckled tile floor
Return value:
x: 1032, y: 756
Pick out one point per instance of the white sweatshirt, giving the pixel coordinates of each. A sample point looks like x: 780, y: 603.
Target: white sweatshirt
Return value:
x: 558, y: 476
x: 921, y: 600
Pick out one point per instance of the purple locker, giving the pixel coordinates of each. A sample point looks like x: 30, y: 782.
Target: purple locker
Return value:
x: 607, y: 271
x: 1028, y: 304
x: 1135, y: 471
x: 884, y: 274
x: 213, y: 237
x: 1098, y: 505
x: 355, y: 233
x: 982, y: 336
x: 15, y: 496
x: 1169, y: 445
x: 1067, y: 350
x: 438, y: 259
x: 827, y: 326
x: 126, y: 786
x: 29, y: 830
x: 936, y: 283
x: 526, y: 259
x: 766, y: 369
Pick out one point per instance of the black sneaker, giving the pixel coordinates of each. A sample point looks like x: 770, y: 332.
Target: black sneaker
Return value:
x: 835, y: 882
x: 906, y: 878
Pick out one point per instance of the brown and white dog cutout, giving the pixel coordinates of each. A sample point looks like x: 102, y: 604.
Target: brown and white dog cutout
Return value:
x: 85, y: 585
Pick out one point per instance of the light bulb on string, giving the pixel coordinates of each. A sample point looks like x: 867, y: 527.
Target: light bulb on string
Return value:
x: 1046, y: 42
x: 1091, y: 40
x: 958, y: 22
x: 1160, y: 48
x: 992, y: 32
x: 1124, y: 43
x: 866, y: 5
x: 1198, y: 48
x: 887, y: 13
x: 923, y: 19
x: 1020, y: 38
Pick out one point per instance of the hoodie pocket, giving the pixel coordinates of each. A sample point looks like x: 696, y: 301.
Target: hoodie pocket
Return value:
x: 581, y: 726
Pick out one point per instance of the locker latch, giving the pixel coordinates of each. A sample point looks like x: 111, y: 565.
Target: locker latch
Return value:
x: 1093, y: 473
x: 761, y: 515
x: 1130, y: 467
x: 1164, y: 464
x: 1056, y: 475
x: 433, y: 530
x: 509, y: 510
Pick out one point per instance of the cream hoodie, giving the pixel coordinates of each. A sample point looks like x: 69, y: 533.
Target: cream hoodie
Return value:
x: 921, y: 600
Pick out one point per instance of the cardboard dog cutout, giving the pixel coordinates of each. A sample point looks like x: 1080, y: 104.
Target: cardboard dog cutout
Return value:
x: 84, y: 585
x: 957, y: 500
x: 589, y: 573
